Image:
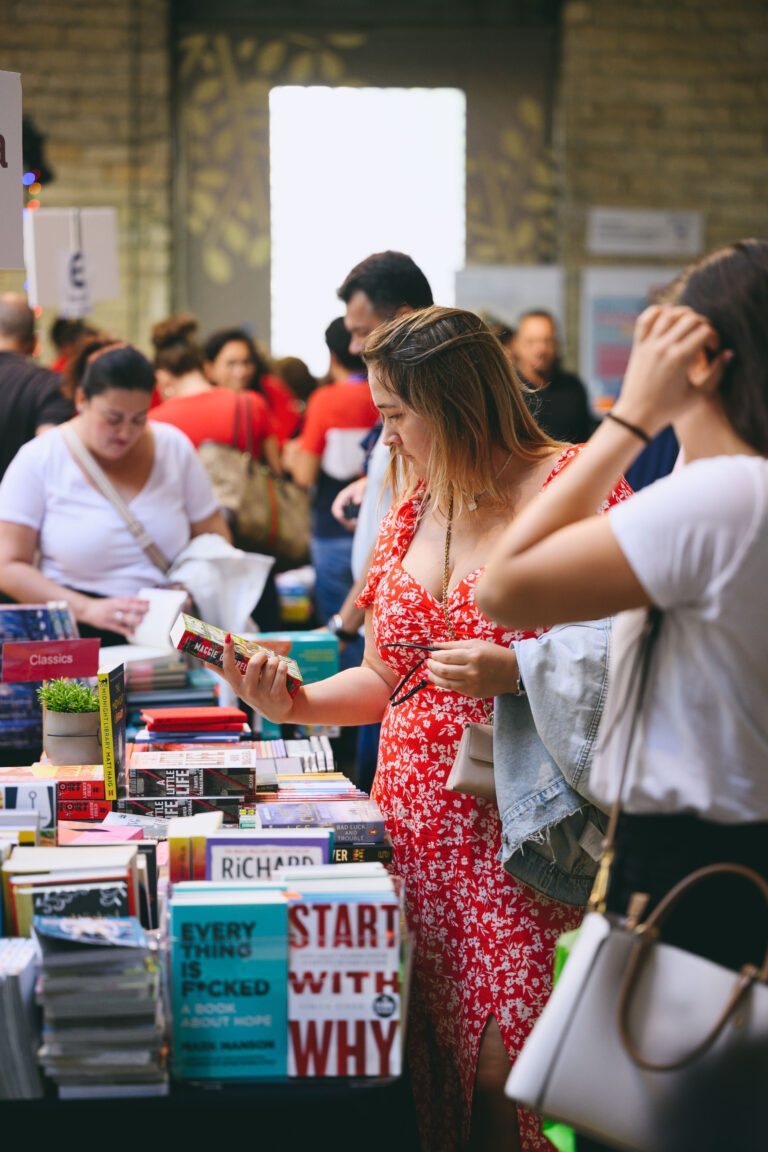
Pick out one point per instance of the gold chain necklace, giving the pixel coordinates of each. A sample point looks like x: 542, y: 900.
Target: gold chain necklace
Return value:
x: 446, y: 566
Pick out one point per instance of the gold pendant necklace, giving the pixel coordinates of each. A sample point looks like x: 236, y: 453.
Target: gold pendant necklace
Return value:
x: 472, y: 504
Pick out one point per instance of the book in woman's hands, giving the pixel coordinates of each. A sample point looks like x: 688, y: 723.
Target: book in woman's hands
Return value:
x: 206, y: 642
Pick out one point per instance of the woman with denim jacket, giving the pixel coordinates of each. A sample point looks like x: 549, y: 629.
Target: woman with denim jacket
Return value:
x: 695, y: 546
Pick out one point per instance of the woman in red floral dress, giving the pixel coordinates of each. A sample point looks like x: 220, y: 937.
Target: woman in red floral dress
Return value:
x: 466, y: 456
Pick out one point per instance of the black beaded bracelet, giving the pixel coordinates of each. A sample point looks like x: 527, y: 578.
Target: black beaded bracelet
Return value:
x: 630, y: 427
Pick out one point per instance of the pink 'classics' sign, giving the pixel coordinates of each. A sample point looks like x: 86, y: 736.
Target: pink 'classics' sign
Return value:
x: 28, y: 660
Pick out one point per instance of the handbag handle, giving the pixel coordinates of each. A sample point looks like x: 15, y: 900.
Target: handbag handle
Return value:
x: 104, y: 485
x: 244, y: 412
x: 647, y: 934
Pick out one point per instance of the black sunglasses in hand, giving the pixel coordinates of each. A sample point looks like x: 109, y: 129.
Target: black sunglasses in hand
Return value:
x: 396, y: 698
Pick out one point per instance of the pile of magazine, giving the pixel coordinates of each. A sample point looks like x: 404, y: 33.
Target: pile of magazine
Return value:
x: 19, y: 1077
x: 102, y: 1014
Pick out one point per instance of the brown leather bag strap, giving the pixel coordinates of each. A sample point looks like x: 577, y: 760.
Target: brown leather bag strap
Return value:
x: 244, y: 412
x: 647, y: 935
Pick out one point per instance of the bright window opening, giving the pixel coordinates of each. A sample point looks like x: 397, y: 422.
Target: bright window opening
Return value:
x: 356, y: 171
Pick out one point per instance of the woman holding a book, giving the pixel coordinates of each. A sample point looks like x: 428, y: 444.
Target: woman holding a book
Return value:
x: 466, y: 456
x: 54, y: 503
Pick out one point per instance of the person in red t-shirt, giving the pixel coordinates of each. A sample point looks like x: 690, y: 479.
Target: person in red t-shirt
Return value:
x: 200, y: 410
x: 232, y: 361
x: 327, y: 455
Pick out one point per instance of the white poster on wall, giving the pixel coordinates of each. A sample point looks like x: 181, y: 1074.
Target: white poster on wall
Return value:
x: 11, y: 172
x: 71, y: 258
x: 505, y: 291
x: 644, y: 232
x: 611, y: 301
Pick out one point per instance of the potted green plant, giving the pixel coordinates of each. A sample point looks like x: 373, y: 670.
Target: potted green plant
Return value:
x: 71, y: 722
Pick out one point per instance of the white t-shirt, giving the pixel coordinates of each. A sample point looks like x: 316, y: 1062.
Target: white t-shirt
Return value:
x: 376, y: 502
x: 698, y: 543
x: 84, y: 542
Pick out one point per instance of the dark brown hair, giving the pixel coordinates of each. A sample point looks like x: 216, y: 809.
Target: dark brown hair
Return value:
x: 730, y: 288
x: 176, y: 350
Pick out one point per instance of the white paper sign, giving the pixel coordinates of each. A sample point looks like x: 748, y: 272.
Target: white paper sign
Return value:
x: 508, y: 290
x: 644, y: 232
x: 74, y: 290
x: 11, y: 198
x: 49, y: 232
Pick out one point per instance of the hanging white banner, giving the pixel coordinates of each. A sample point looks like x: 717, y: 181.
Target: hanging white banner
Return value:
x: 11, y: 199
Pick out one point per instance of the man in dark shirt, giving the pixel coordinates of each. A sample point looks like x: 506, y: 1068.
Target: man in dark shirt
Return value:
x: 30, y: 396
x: 559, y: 402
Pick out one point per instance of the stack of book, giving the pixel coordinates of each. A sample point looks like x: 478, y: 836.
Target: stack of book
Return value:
x: 21, y: 717
x: 102, y: 880
x: 193, y: 725
x: 346, y: 973
x: 304, y: 974
x: 359, y: 835
x: 229, y: 981
x: 19, y: 1076
x: 102, y: 1014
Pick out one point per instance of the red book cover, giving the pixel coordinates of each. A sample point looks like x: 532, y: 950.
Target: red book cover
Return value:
x: 84, y: 809
x: 194, y: 719
x: 81, y: 790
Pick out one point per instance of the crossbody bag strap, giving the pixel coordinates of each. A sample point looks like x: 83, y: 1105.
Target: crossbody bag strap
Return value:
x: 597, y: 899
x: 247, y: 398
x: 110, y: 493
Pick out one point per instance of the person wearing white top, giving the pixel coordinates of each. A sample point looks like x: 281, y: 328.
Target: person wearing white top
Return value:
x: 695, y: 547
x: 49, y: 506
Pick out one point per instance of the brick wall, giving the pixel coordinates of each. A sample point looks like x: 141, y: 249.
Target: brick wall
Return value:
x: 661, y: 105
x: 96, y: 81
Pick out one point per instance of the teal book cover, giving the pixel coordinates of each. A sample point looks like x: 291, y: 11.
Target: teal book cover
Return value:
x: 229, y: 976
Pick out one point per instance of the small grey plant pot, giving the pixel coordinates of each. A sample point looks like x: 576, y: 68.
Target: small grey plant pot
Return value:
x: 72, y: 737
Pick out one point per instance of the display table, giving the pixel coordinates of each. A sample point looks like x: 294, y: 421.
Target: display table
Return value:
x: 374, y: 1115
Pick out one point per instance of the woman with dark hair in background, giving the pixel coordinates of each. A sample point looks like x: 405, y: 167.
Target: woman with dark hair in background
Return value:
x: 466, y: 456
x: 202, y: 411
x: 233, y: 361
x: 88, y: 556
x: 694, y: 545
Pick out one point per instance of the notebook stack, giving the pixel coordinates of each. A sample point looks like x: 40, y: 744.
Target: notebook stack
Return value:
x: 19, y: 1076
x: 102, y: 1014
x: 193, y: 725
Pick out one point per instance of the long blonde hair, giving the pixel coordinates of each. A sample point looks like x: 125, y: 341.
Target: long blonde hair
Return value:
x: 447, y: 366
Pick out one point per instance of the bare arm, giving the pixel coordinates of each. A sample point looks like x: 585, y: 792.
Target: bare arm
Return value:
x: 20, y: 579
x: 214, y: 523
x: 303, y: 466
x: 355, y: 696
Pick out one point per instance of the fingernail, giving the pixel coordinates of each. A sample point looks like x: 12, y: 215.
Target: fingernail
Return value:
x: 227, y: 638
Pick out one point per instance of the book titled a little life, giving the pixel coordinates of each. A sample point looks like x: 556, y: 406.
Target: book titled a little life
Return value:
x: 206, y: 642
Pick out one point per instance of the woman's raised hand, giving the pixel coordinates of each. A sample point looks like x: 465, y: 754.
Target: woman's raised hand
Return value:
x: 476, y: 668
x: 675, y: 356
x: 120, y: 614
x: 263, y: 687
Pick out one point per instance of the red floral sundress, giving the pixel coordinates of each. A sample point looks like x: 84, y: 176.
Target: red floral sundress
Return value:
x: 484, y: 941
